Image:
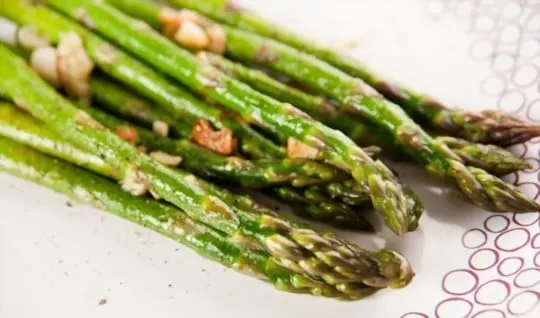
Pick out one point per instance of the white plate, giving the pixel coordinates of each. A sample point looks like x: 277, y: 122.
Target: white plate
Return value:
x: 60, y: 261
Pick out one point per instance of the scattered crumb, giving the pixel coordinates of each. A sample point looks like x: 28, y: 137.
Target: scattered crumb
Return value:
x: 121, y: 283
x: 176, y: 249
x: 60, y: 261
x: 102, y: 302
x: 69, y: 204
x: 66, y: 274
x: 203, y: 270
x: 170, y: 285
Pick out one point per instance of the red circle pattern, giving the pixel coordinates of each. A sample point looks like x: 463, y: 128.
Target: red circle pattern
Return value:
x: 505, y: 37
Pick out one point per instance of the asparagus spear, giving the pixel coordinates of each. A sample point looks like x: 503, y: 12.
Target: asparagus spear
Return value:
x: 312, y: 204
x: 258, y: 174
x: 489, y: 127
x: 262, y: 174
x: 298, y: 172
x: 195, y: 159
x: 357, y: 98
x: 283, y: 119
x: 491, y: 158
x: 88, y: 188
x: 386, y: 119
x: 240, y: 170
x: 115, y: 99
x: 20, y: 127
x: 237, y: 216
x: 181, y: 104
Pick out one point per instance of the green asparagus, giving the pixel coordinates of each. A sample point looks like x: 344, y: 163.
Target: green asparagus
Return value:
x: 319, y: 255
x: 85, y: 187
x: 491, y: 158
x: 114, y: 98
x: 172, y: 98
x: 298, y: 172
x: 489, y: 127
x: 312, y: 204
x: 386, y: 119
x: 386, y: 193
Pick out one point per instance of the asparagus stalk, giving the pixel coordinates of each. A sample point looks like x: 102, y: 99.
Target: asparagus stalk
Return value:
x: 322, y: 256
x: 194, y: 159
x: 489, y: 127
x: 387, y: 119
x: 116, y: 100
x: 312, y: 204
x: 298, y: 172
x: 261, y: 174
x: 203, y: 163
x: 283, y: 119
x: 20, y: 127
x: 357, y: 98
x: 255, y: 174
x: 177, y: 101
x: 85, y: 187
x: 491, y: 158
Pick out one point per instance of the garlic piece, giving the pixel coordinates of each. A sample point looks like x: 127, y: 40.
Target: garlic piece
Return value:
x: 45, y: 62
x: 218, y: 39
x: 29, y: 38
x: 74, y: 66
x: 192, y: 36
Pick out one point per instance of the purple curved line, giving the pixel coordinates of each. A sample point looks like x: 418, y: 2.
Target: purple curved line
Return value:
x: 473, y: 230
x: 522, y: 293
x: 497, y: 245
x: 534, y: 239
x: 488, y: 311
x: 505, y: 284
x: 515, y: 40
x: 530, y: 109
x: 537, y: 186
x: 500, y: 106
x: 531, y: 82
x: 415, y: 313
x: 454, y: 299
x: 473, y: 274
x: 482, y: 87
x: 482, y: 250
x: 521, y: 260
x: 506, y: 219
x: 524, y: 271
x: 514, y: 218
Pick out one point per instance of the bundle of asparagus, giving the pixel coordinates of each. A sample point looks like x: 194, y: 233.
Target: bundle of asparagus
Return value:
x: 489, y: 126
x: 166, y: 144
x: 353, y: 95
